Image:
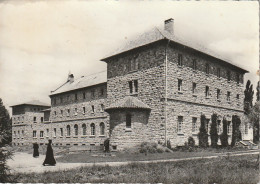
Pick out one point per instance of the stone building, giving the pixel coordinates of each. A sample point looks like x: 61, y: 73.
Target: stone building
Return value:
x: 155, y: 88
x: 27, y: 119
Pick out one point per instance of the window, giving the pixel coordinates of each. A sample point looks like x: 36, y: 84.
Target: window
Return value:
x: 180, y: 59
x: 229, y: 127
x: 133, y: 65
x: 130, y: 87
x: 47, y: 132
x: 76, y: 112
x: 41, y: 119
x: 194, y: 88
x: 237, y: 96
x: 92, y: 128
x: 228, y: 96
x: 34, y: 119
x: 218, y: 94
x: 102, y: 128
x: 22, y: 133
x: 68, y: 130
x: 34, y: 133
x: 93, y: 108
x: 136, y: 86
x: 61, y: 100
x: 93, y: 93
x: 68, y: 112
x: 179, y: 85
x: 76, y: 130
x: 14, y: 133
x: 207, y: 91
x: 194, y: 64
x: 55, y: 132
x: 61, y: 132
x: 246, y: 128
x: 102, y: 107
x: 84, y: 95
x: 55, y: 113
x: 84, y: 110
x: 218, y: 126
x: 207, y: 68
x: 228, y: 75
x: 84, y: 129
x: 18, y: 133
x: 194, y: 124
x: 61, y: 112
x: 41, y: 133
x: 179, y: 126
x: 128, y: 121
x: 237, y: 77
x: 218, y: 72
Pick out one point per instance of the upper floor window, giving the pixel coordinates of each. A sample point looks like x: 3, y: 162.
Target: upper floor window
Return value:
x: 102, y: 107
x: 136, y: 86
x: 76, y: 111
x: 41, y: 119
x: 228, y: 75
x: 180, y: 122
x: 237, y: 96
x: 55, y: 132
x: 207, y: 91
x: 218, y: 72
x: 128, y: 121
x: 194, y: 88
x: 41, y: 133
x: 228, y: 96
x: 133, y: 86
x: 218, y: 126
x: 47, y: 132
x: 180, y: 59
x: 34, y: 133
x: 55, y: 113
x: 76, y: 96
x: 133, y: 65
x: 93, y: 108
x: 61, y: 112
x: 68, y: 112
x: 84, y: 110
x: 207, y: 68
x: 34, y: 119
x: 68, y: 130
x: 179, y: 85
x: 194, y: 124
x: 84, y: 129
x: 130, y: 87
x: 92, y: 129
x: 194, y: 64
x: 61, y: 132
x: 218, y: 94
x: 76, y: 129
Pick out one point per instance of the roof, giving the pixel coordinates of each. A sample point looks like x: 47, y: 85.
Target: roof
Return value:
x: 33, y: 102
x: 82, y: 82
x: 128, y: 102
x: 157, y: 34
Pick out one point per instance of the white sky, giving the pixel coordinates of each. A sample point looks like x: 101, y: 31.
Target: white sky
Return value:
x: 40, y: 42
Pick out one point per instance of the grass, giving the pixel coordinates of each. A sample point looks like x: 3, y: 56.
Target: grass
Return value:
x: 86, y: 157
x: 239, y: 170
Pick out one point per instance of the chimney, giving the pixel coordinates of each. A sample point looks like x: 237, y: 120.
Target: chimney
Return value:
x: 70, y: 78
x: 168, y: 25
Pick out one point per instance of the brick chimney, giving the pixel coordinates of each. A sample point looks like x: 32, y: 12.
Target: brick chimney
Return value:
x: 168, y: 25
x: 70, y: 78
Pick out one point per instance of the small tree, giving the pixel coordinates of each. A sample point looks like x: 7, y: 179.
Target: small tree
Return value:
x: 203, y: 135
x: 236, y: 134
x: 214, y: 131
x: 224, y: 134
x: 107, y: 145
x: 249, y: 94
x: 5, y: 125
x: 254, y: 120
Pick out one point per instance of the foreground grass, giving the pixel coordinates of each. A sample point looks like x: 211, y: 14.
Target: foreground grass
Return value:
x: 239, y: 170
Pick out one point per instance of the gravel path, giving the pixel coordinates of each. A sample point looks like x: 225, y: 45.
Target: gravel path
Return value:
x: 26, y: 163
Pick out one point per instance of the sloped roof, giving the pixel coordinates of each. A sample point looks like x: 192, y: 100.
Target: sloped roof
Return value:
x: 157, y: 34
x: 33, y: 102
x: 82, y: 82
x: 128, y: 102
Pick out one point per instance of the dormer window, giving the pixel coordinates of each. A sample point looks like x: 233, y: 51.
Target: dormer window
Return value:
x: 133, y: 87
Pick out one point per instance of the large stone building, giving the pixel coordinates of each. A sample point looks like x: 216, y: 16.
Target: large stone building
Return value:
x: 155, y: 89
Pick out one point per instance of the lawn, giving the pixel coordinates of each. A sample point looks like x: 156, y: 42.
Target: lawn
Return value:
x: 239, y: 170
x: 86, y: 157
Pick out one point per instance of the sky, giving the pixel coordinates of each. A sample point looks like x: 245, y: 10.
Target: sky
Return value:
x: 42, y: 41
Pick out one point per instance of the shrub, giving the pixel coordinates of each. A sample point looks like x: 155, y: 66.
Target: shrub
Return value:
x: 191, y: 142
x: 169, y: 144
x: 4, y: 170
x: 150, y: 147
x: 236, y: 134
x: 203, y: 136
x: 214, y: 131
x: 224, y: 135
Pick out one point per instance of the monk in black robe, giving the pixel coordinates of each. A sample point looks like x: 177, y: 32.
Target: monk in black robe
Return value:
x: 49, y: 159
x: 35, y: 150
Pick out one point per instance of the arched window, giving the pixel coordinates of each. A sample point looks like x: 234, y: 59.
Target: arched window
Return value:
x: 84, y: 129
x: 68, y: 130
x: 102, y: 128
x: 76, y: 128
x: 128, y: 120
x: 93, y: 131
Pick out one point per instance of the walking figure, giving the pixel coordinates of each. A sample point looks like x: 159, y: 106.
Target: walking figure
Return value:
x: 49, y: 159
x: 35, y: 150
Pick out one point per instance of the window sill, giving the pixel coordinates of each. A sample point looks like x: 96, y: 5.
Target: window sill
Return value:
x: 128, y: 129
x: 61, y: 136
x: 41, y: 137
x: 218, y: 100
x: 180, y: 92
x: 33, y: 138
x: 92, y: 136
x: 67, y: 136
x: 54, y: 137
x: 207, y: 97
x: 180, y: 133
x: 229, y: 102
x: 84, y: 136
x: 194, y: 95
x: 133, y: 94
x: 75, y: 136
x: 102, y: 136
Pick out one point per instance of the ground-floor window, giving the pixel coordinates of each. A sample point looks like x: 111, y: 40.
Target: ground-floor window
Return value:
x: 61, y: 132
x: 93, y: 131
x: 54, y: 130
x: 41, y: 133
x: 194, y: 124
x: 68, y: 130
x: 102, y: 128
x: 34, y: 133
x: 180, y: 122
x: 84, y: 129
x: 76, y: 128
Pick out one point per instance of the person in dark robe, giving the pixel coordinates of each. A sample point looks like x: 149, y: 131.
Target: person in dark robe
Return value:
x: 35, y: 150
x: 49, y: 159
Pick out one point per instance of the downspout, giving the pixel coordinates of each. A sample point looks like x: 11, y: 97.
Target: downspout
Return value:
x: 166, y: 94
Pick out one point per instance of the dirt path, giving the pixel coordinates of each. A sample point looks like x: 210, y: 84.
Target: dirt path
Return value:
x: 25, y: 163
